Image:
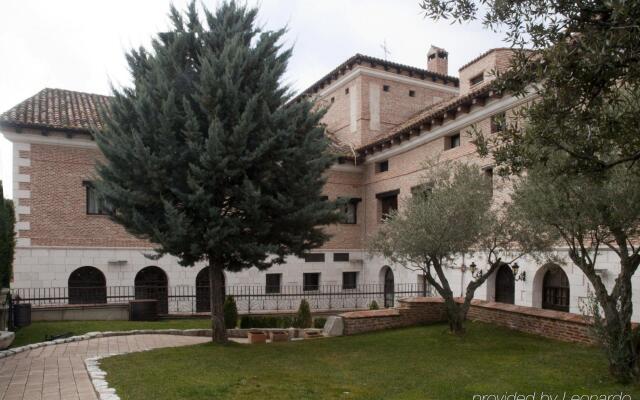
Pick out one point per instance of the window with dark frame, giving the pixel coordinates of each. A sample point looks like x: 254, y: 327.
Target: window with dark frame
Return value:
x: 385, y: 88
x: 349, y: 280
x: 477, y: 79
x: 451, y: 142
x: 498, y: 122
x: 382, y: 166
x: 333, y: 99
x: 421, y: 190
x: 314, y: 257
x: 388, y: 202
x: 346, y: 91
x: 273, y: 283
x: 340, y: 257
x: 412, y: 93
x: 488, y: 173
x: 311, y: 281
x: 350, y: 211
x: 95, y: 204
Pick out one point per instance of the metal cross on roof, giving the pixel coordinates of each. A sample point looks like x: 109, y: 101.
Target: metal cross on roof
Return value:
x: 385, y: 49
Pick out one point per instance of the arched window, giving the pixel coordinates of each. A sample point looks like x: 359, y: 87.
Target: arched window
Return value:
x: 389, y: 287
x: 203, y: 302
x: 152, y: 283
x: 87, y: 285
x: 555, y: 290
x: 505, y: 285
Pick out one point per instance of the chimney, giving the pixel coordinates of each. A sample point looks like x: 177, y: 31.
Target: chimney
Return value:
x: 437, y: 60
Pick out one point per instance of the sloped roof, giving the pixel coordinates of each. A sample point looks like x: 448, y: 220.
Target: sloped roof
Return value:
x: 358, y: 59
x: 431, y: 112
x: 58, y: 109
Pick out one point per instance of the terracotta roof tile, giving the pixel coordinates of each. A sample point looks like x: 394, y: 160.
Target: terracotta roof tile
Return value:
x: 58, y: 109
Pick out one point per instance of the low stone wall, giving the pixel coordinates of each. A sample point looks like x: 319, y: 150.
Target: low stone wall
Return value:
x: 411, y: 311
x: 427, y: 310
x: 548, y: 323
x: 81, y: 312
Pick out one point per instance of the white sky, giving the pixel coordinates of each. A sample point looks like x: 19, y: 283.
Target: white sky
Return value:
x: 80, y: 44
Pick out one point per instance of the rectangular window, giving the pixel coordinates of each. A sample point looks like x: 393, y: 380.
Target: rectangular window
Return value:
x: 346, y: 91
x: 95, y: 204
x: 488, y: 173
x: 311, y: 281
x: 349, y: 280
x: 385, y: 88
x: 451, y: 142
x: 498, y: 122
x: 333, y: 99
x: 382, y: 166
x: 314, y: 257
x: 477, y: 79
x: 412, y: 93
x: 421, y: 190
x: 273, y: 283
x: 387, y: 202
x: 350, y: 211
x: 341, y: 257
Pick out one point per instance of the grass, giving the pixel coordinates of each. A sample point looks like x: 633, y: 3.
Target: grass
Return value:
x: 416, y: 363
x: 36, y: 331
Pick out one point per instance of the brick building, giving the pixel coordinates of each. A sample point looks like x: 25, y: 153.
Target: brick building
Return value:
x: 385, y: 119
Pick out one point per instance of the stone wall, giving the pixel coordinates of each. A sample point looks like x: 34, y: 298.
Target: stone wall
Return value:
x: 426, y: 310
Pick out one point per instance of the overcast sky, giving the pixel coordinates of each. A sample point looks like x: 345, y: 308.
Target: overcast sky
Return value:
x: 80, y: 44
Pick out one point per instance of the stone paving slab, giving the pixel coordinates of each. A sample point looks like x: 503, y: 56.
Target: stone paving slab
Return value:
x: 58, y: 372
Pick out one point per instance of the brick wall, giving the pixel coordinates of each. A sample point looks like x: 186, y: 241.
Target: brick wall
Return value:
x: 58, y: 215
x: 424, y: 310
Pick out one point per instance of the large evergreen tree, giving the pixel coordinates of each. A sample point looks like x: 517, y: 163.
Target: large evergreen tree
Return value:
x: 207, y: 157
x: 7, y: 239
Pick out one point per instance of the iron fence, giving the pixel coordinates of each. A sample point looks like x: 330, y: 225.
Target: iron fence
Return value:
x: 249, y: 298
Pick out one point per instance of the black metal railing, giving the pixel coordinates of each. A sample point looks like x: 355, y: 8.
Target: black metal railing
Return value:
x: 249, y: 298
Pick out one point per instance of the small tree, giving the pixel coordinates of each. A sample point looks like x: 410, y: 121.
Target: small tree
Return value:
x: 591, y: 213
x: 230, y: 313
x: 374, y: 305
x: 206, y: 157
x: 452, y: 217
x: 303, y: 317
x: 7, y: 239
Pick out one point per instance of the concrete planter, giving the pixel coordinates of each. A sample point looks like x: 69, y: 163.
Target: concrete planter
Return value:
x: 279, y: 336
x: 257, y: 337
x: 312, y: 334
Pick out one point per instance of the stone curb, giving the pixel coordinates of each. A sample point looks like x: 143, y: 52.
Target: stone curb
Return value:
x: 94, y: 335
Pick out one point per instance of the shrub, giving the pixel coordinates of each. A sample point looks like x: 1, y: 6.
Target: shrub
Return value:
x: 282, y: 322
x: 230, y: 313
x: 319, y: 322
x: 374, y: 305
x: 303, y: 317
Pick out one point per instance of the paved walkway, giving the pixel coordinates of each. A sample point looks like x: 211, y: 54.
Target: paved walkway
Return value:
x: 58, y: 372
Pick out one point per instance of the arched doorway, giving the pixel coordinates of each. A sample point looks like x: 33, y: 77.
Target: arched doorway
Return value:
x: 152, y: 283
x: 389, y: 287
x: 505, y: 285
x: 203, y: 302
x: 87, y: 285
x: 555, y: 290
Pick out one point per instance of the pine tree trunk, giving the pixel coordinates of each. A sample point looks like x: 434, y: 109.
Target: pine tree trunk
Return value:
x: 216, y: 293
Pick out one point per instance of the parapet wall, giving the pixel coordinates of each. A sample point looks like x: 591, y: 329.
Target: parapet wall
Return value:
x: 426, y: 310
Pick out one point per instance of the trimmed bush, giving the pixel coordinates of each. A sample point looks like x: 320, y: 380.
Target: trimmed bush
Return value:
x: 374, y: 305
x: 282, y: 322
x: 230, y: 313
x: 303, y: 317
x: 319, y: 322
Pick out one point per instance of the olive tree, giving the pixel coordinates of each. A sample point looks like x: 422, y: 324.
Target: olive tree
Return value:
x: 452, y: 216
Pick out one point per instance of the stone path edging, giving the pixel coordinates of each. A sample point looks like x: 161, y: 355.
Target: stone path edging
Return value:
x: 93, y: 335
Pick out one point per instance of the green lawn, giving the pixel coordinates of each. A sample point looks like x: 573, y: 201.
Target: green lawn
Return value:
x: 416, y: 363
x: 36, y: 331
